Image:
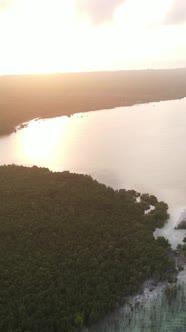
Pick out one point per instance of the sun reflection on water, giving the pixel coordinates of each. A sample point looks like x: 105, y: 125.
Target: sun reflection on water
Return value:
x: 39, y: 142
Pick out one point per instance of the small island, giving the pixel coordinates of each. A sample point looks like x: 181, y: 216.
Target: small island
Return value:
x: 72, y: 249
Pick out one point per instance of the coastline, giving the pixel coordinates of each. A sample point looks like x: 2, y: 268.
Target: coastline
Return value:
x: 126, y: 316
x: 24, y: 98
x: 8, y: 130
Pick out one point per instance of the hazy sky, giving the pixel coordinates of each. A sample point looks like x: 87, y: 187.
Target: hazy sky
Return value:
x: 87, y: 35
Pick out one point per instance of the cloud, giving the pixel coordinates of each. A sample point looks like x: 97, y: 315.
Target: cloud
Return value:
x: 6, y: 5
x: 99, y: 10
x: 177, y: 13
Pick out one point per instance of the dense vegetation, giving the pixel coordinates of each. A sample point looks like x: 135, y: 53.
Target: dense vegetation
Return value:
x: 181, y: 248
x: 23, y: 98
x: 71, y: 249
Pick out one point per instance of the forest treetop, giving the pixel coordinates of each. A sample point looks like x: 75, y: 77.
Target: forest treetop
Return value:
x: 72, y: 249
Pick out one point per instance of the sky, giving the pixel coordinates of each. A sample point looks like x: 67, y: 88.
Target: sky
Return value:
x: 42, y: 36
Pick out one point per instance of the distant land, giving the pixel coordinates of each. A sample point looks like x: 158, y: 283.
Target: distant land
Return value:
x: 25, y: 97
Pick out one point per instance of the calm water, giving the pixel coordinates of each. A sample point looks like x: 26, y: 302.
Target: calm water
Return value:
x: 141, y: 147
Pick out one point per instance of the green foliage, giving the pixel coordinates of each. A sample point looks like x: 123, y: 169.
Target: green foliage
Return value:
x: 71, y: 249
x: 150, y: 199
x: 181, y: 249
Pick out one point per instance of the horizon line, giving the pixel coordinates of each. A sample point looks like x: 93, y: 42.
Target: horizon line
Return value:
x: 91, y: 72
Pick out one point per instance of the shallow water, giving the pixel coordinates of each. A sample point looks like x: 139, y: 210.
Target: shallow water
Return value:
x: 140, y: 147
x: 161, y: 309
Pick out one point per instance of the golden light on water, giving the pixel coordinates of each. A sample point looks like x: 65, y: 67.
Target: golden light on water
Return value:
x: 39, y: 142
x: 61, y: 143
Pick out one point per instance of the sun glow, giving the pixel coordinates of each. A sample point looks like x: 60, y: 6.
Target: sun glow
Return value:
x: 38, y: 143
x: 42, y: 36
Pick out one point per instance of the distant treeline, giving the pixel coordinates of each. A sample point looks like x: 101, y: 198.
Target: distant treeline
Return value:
x: 72, y: 249
x: 23, y: 98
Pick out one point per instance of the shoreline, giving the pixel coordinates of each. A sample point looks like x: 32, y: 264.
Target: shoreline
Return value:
x: 150, y: 292
x: 24, y: 98
x: 24, y: 123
